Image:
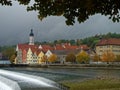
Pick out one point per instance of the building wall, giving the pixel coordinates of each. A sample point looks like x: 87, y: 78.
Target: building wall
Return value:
x: 29, y: 56
x: 113, y: 48
x: 24, y: 56
x: 40, y: 57
x: 34, y: 59
x: 61, y: 58
x: 116, y: 49
x: 48, y: 53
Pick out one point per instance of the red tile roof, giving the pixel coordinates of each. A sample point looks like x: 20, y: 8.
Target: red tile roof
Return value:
x: 65, y: 47
x: 37, y: 49
x: 59, y: 47
x: 84, y: 47
x: 26, y: 47
x: 45, y: 48
x: 111, y: 41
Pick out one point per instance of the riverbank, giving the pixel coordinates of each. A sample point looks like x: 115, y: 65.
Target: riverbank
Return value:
x: 66, y: 66
x: 74, y: 66
x: 95, y: 84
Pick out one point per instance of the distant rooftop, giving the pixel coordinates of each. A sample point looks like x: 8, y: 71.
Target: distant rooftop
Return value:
x: 110, y: 41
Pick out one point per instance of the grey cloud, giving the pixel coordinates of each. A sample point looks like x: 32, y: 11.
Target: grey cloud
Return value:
x: 16, y: 23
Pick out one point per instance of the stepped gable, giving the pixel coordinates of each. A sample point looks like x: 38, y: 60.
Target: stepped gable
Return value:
x: 110, y: 41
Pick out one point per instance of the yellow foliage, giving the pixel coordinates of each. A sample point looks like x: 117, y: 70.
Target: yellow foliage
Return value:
x: 52, y: 58
x: 44, y: 59
x: 70, y: 57
x: 82, y: 57
x: 117, y: 58
x: 12, y: 58
x: 108, y: 56
x: 96, y: 58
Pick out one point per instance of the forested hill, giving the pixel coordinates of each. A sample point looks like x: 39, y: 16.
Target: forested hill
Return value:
x: 91, y: 41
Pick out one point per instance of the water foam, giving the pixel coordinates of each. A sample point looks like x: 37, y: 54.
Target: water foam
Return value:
x: 7, y: 84
x: 39, y: 81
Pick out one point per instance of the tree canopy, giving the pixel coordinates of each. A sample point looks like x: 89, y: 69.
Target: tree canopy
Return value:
x: 108, y: 56
x: 52, y: 58
x: 71, y: 58
x: 82, y: 57
x: 72, y: 9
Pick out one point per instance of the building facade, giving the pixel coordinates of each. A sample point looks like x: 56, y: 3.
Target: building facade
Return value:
x: 108, y: 45
x: 34, y: 54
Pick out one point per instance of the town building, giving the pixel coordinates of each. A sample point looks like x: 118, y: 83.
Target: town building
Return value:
x: 31, y: 38
x: 36, y: 54
x: 108, y: 45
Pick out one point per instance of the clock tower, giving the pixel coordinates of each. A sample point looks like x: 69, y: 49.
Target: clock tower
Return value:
x: 31, y: 38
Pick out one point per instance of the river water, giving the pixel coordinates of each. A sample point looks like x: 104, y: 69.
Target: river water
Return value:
x: 59, y: 75
x: 28, y: 78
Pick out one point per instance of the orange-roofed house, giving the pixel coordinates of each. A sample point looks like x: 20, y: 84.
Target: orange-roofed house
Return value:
x: 111, y: 44
x: 33, y: 54
x: 27, y: 53
x: 32, y: 57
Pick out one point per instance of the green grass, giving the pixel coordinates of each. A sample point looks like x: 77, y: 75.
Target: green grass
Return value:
x: 96, y: 84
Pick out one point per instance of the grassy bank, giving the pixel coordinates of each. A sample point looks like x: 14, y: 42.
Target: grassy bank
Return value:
x: 96, y: 84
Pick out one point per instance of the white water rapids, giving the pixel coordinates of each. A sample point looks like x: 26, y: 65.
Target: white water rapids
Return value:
x: 10, y: 80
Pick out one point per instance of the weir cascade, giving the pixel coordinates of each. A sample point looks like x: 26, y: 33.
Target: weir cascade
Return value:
x: 10, y: 80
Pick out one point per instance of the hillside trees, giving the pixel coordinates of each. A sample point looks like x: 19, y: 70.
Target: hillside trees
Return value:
x: 10, y: 53
x: 90, y: 41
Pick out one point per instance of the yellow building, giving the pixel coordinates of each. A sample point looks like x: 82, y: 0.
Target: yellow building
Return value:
x: 32, y: 57
x: 40, y: 57
x: 112, y: 45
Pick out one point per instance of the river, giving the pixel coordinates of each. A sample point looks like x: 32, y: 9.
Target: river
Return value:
x: 59, y: 75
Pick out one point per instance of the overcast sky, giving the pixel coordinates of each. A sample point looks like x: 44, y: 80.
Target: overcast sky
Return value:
x: 16, y: 23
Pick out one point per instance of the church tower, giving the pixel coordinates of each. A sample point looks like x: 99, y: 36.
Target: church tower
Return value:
x: 31, y: 38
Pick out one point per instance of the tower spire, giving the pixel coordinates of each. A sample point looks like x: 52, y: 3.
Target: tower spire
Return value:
x: 31, y: 38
